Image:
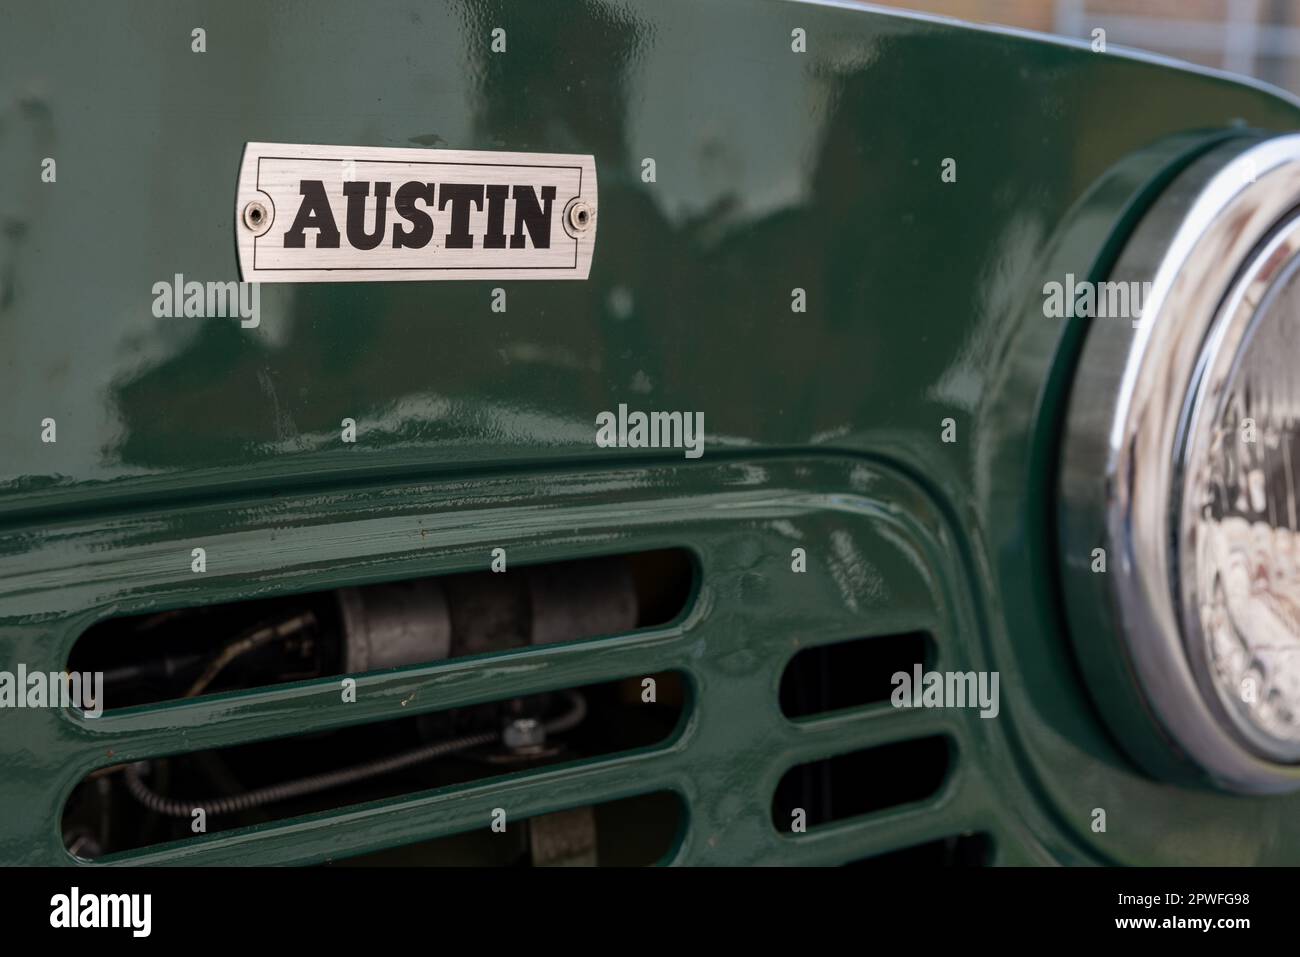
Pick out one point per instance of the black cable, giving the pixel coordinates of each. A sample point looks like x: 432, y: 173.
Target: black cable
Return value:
x: 274, y: 793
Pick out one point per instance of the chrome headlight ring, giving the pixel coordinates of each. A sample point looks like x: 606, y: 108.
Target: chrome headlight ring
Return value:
x: 1156, y: 472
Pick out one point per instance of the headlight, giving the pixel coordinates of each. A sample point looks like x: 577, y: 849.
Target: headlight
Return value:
x: 1181, y: 460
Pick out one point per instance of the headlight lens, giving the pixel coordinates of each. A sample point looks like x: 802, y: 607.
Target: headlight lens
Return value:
x: 1238, y: 542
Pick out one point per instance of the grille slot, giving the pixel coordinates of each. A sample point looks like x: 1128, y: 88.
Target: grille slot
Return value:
x: 631, y: 832
x: 182, y: 653
x: 860, y: 782
x: 848, y: 674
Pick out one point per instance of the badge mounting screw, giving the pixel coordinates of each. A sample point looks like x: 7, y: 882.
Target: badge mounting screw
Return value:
x: 581, y: 216
x: 256, y: 217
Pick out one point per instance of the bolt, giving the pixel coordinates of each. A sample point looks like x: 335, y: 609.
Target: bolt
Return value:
x: 256, y: 217
x: 581, y: 216
x: 523, y: 733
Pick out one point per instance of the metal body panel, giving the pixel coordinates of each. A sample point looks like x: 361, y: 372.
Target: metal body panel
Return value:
x: 774, y: 171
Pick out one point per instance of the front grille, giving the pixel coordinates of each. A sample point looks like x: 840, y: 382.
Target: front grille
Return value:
x: 880, y: 563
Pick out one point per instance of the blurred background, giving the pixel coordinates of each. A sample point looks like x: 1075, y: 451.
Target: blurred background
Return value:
x: 1259, y: 38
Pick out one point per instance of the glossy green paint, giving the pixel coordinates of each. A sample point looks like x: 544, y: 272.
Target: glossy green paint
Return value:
x: 775, y: 170
x: 881, y: 561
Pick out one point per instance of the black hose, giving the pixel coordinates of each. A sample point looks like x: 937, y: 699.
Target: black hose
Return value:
x: 274, y: 793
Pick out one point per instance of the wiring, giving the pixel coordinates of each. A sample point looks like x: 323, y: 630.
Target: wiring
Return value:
x: 300, y: 787
x: 246, y: 643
